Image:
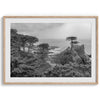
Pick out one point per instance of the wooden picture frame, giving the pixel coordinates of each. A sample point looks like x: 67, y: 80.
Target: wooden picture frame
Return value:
x: 8, y: 20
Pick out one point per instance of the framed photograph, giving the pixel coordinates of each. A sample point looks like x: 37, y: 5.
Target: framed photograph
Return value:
x: 50, y: 49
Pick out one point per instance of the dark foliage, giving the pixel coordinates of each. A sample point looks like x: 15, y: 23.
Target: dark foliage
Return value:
x: 69, y: 70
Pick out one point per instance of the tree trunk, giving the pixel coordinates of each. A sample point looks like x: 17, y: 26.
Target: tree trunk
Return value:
x: 29, y: 48
x: 71, y: 45
x: 24, y: 49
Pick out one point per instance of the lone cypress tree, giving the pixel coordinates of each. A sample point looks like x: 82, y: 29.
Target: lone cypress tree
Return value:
x: 72, y: 40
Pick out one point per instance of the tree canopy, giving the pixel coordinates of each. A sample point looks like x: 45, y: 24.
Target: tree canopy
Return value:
x: 43, y: 46
x: 71, y: 38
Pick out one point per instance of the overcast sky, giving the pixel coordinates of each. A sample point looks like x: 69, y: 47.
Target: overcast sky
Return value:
x: 54, y: 30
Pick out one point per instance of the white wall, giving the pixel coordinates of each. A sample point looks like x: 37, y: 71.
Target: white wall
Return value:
x: 47, y: 7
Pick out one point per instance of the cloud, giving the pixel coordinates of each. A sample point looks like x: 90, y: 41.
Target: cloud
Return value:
x: 54, y: 30
x: 34, y: 27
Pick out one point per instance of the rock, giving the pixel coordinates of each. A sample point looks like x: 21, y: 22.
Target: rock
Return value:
x: 76, y: 57
x: 81, y: 54
x: 76, y: 54
x: 79, y: 49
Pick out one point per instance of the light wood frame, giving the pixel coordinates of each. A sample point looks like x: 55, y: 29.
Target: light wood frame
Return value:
x: 4, y: 49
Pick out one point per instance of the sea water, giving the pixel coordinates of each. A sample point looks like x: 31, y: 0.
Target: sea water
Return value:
x: 62, y: 44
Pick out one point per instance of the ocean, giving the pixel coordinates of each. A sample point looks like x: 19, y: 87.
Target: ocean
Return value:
x: 63, y: 44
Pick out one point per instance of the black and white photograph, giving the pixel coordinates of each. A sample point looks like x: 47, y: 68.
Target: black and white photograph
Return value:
x: 51, y: 50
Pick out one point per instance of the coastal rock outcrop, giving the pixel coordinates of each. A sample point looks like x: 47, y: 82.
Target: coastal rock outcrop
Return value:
x: 77, y: 55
